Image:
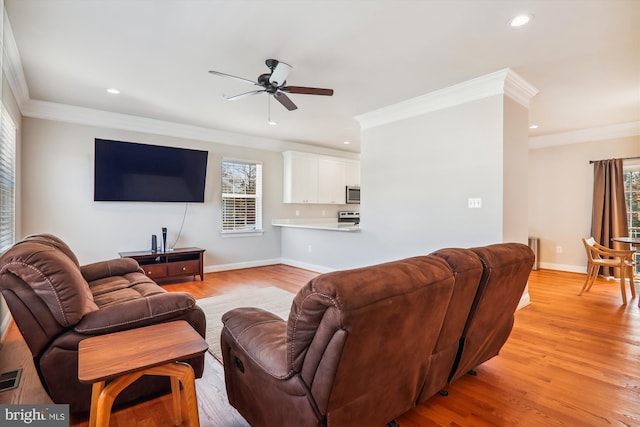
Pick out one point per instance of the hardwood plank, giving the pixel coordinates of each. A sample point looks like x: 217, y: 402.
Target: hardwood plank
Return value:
x: 570, y: 360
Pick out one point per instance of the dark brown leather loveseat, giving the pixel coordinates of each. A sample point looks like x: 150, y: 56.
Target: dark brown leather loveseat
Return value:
x: 361, y: 347
x: 56, y: 303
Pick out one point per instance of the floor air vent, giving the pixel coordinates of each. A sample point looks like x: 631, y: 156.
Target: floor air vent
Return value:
x: 10, y: 380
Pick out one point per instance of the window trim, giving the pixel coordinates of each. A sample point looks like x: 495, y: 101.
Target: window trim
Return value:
x: 259, y: 200
x: 8, y: 142
x: 631, y: 166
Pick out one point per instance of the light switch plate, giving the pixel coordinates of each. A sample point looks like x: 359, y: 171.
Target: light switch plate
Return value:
x: 475, y: 203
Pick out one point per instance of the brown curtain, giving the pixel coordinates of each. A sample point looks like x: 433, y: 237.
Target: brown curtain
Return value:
x: 609, y: 216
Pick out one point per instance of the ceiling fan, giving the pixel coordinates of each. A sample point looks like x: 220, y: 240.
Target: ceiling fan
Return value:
x: 273, y: 83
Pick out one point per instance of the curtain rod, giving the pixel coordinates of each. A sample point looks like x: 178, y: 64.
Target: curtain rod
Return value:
x: 624, y: 158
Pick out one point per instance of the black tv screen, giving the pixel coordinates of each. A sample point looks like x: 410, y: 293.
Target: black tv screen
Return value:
x: 132, y: 172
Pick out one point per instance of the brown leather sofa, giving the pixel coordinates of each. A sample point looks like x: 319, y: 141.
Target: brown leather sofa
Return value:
x: 361, y: 347
x: 56, y: 303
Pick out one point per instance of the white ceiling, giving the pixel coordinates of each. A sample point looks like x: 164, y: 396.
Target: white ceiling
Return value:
x: 582, y: 55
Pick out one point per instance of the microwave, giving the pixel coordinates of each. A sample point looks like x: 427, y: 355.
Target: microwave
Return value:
x: 353, y: 195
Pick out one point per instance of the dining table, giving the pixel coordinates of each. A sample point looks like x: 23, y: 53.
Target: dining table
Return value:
x: 635, y: 245
x: 633, y: 241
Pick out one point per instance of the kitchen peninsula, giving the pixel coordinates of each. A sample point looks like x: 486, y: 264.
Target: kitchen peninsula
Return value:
x: 317, y: 224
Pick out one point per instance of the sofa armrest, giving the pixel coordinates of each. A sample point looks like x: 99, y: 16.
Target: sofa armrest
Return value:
x: 136, y: 313
x: 113, y: 267
x: 262, y: 336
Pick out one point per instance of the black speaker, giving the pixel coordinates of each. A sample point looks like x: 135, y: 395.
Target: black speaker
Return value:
x: 154, y: 243
x: 164, y: 239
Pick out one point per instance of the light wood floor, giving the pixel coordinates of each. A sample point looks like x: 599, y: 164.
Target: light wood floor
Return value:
x: 570, y: 361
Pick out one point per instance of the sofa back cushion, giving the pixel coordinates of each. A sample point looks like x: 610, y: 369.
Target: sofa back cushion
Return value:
x: 506, y: 270
x: 53, y: 275
x: 467, y: 270
x: 361, y: 338
x: 55, y: 241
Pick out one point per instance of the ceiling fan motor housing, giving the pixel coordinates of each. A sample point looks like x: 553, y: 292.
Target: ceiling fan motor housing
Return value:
x: 263, y: 80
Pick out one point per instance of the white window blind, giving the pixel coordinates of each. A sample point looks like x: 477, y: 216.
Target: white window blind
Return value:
x: 241, y: 196
x: 7, y: 180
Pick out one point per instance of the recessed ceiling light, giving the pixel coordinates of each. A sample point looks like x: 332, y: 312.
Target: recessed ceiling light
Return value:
x: 113, y: 91
x: 534, y: 127
x: 347, y: 142
x: 520, y: 20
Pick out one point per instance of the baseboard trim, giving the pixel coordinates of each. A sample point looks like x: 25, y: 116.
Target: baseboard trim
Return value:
x: 240, y: 265
x: 564, y: 267
x: 307, y: 266
x: 525, y: 300
x: 265, y: 262
x: 4, y: 327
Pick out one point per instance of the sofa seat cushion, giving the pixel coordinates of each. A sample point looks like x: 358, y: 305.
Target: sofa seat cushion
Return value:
x: 117, y: 289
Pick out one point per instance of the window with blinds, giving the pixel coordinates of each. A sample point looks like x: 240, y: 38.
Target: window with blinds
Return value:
x: 241, y: 196
x: 632, y: 197
x: 7, y: 180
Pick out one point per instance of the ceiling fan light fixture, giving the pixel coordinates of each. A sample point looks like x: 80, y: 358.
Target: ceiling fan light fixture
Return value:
x: 521, y: 20
x: 279, y: 74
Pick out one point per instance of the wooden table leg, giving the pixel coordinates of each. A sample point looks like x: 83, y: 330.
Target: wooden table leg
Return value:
x: 103, y: 396
x: 175, y: 393
x: 95, y: 395
x: 108, y: 395
x: 183, y: 372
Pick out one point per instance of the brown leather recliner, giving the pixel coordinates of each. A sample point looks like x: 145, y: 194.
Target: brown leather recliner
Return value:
x: 361, y: 347
x: 353, y: 351
x: 56, y: 303
x: 506, y: 271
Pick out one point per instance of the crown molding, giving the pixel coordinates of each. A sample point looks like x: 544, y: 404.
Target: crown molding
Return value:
x: 92, y: 117
x: 518, y: 89
x: 12, y: 65
x: 503, y: 82
x: 602, y: 133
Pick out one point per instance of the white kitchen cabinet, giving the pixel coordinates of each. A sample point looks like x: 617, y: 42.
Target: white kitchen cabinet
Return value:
x: 352, y: 173
x: 331, y: 181
x: 300, y: 178
x: 312, y: 178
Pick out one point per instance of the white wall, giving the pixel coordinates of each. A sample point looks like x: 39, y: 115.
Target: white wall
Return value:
x: 57, y: 197
x: 515, y: 197
x: 561, y: 195
x: 424, y: 169
x: 417, y: 175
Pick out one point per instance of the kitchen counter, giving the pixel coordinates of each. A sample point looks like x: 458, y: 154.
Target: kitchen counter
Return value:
x: 317, y: 224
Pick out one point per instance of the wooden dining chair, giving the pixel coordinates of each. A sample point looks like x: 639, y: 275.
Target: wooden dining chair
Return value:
x: 602, y: 256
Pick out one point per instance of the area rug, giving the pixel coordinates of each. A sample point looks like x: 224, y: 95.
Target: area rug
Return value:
x: 271, y: 299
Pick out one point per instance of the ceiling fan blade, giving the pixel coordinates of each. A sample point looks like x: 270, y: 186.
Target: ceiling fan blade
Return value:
x: 307, y: 90
x: 280, y: 74
x: 218, y: 73
x: 284, y: 100
x: 243, y: 95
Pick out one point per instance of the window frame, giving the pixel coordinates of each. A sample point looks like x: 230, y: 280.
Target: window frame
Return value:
x: 632, y: 200
x: 242, y: 231
x: 8, y: 161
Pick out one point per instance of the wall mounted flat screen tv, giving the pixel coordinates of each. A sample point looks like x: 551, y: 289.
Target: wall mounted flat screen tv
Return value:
x: 132, y: 172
